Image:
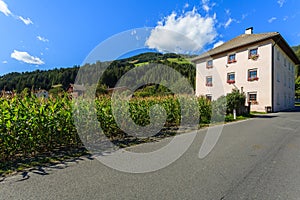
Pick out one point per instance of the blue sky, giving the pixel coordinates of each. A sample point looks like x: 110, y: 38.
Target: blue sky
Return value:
x: 47, y: 34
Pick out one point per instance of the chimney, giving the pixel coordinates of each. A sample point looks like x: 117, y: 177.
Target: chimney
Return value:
x: 249, y: 30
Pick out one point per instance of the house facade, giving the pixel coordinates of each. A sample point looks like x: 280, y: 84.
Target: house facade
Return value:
x: 260, y: 65
x: 76, y: 90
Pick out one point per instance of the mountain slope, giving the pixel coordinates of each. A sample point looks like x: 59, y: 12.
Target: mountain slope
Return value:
x: 46, y: 79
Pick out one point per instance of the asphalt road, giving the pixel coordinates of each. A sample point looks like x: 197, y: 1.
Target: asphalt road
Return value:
x: 253, y: 159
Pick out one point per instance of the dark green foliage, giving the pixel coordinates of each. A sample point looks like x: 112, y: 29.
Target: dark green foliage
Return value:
x: 297, y: 87
x: 297, y: 71
x: 297, y: 52
x: 46, y: 79
x: 222, y: 108
x: 235, y: 100
x: 38, y: 79
x: 119, y: 67
x: 219, y: 109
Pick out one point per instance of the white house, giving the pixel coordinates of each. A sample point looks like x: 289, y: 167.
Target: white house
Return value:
x: 260, y: 65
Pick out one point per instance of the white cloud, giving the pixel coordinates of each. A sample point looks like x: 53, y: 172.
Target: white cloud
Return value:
x: 40, y: 38
x: 4, y: 9
x: 186, y: 5
x: 285, y: 18
x: 133, y: 32
x: 218, y: 44
x: 183, y: 34
x: 26, y: 21
x: 281, y: 2
x: 25, y: 57
x: 4, y: 62
x: 244, y: 16
x: 228, y: 12
x: 205, y: 5
x: 229, y: 21
x: 272, y: 19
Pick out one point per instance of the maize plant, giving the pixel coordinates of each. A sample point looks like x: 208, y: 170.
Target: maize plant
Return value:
x: 30, y: 126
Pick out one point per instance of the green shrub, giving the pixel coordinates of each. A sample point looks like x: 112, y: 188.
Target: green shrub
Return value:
x: 235, y: 100
x: 219, y: 109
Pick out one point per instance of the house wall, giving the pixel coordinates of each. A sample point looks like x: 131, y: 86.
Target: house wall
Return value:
x: 262, y: 86
x: 284, y: 80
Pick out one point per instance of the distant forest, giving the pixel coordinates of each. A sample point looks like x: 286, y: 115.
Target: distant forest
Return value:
x: 45, y: 79
x: 297, y: 51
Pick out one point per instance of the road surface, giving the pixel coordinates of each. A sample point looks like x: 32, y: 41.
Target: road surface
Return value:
x: 257, y: 158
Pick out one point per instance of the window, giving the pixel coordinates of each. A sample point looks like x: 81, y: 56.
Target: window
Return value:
x: 284, y: 61
x: 209, y: 97
x: 209, y: 64
x: 231, y: 58
x: 289, y: 82
x: 284, y: 79
x: 289, y: 66
x: 253, y: 54
x: 209, y: 81
x: 285, y: 100
x: 252, y: 97
x: 252, y: 75
x: 278, y: 76
x: 231, y: 78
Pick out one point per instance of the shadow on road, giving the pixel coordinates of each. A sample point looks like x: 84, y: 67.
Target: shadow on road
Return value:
x: 273, y: 115
x: 265, y: 116
x: 296, y: 109
x: 44, y: 169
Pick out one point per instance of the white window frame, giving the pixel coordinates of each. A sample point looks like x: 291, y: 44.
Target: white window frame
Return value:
x: 231, y: 61
x: 252, y: 101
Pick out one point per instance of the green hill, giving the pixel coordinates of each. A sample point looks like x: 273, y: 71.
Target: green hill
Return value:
x: 297, y: 52
x: 297, y: 81
x: 40, y: 79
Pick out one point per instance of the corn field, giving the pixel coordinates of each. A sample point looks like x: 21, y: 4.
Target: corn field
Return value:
x: 30, y: 126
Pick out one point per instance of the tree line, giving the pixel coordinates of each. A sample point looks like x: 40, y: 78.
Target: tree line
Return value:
x: 45, y: 79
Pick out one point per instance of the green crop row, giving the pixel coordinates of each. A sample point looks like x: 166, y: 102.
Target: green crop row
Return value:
x: 31, y: 125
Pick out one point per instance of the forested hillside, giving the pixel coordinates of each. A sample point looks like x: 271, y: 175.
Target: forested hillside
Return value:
x: 38, y: 79
x: 297, y: 50
x: 297, y: 81
x: 46, y: 79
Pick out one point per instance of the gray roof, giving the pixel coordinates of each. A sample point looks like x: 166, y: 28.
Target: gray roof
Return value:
x: 247, y: 40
